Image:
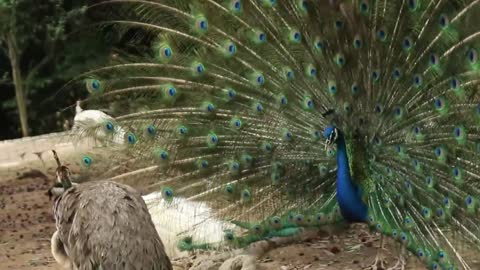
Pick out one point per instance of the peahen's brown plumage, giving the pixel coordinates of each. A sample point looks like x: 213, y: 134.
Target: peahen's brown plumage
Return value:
x: 104, y: 225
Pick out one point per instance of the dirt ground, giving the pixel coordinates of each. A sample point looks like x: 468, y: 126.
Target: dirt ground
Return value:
x: 26, y: 221
x: 27, y: 224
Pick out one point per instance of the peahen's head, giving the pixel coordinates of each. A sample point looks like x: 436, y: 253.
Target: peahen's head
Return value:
x: 331, y: 134
x: 62, y: 173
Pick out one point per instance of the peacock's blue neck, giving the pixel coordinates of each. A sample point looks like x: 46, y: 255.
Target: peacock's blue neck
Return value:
x: 348, y: 194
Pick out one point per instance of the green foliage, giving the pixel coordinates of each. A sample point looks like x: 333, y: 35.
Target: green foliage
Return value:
x: 50, y: 47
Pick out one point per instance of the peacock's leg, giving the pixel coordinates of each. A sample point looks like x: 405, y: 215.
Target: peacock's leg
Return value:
x: 379, y: 262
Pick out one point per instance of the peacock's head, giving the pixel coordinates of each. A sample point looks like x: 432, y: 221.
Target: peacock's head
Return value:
x: 331, y: 134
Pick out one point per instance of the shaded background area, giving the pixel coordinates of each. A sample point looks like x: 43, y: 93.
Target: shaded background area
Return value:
x: 45, y: 43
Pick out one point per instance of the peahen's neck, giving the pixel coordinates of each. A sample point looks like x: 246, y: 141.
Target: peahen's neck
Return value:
x: 348, y: 194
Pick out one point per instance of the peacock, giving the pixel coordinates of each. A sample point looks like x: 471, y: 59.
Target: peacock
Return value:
x: 285, y: 115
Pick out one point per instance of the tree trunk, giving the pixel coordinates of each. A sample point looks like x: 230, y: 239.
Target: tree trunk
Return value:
x: 18, y: 82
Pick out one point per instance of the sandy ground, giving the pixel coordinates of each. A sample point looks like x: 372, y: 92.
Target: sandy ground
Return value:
x: 27, y: 225
x: 26, y: 222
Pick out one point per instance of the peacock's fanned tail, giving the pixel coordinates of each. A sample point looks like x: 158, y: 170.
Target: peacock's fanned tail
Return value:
x: 224, y: 101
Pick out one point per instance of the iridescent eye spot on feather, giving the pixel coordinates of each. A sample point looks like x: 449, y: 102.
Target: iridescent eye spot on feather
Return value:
x: 233, y: 167
x: 257, y: 229
x: 260, y: 80
x: 162, y: 154
x: 262, y: 37
x: 355, y: 89
x: 246, y: 195
x: 332, y: 87
x: 201, y: 24
x: 295, y: 36
x: 469, y: 200
x: 417, y: 80
x: 229, y: 189
x: 403, y: 237
x: 472, y: 56
x: 266, y: 147
x: 167, y: 194
x: 440, y: 104
x: 323, y: 170
x: 458, y: 176
x: 382, y: 35
x: 426, y: 213
x: 357, y: 42
x: 167, y: 52
x: 364, y: 7
x: 420, y: 253
x: 235, y: 6
x: 460, y: 134
x: 275, y: 221
x: 258, y: 107
x: 398, y: 112
x: 201, y: 164
x: 443, y: 21
x: 439, y: 212
x: 236, y: 123
x: 258, y: 36
x: 454, y: 83
x: 182, y: 130
x: 163, y: 52
x: 308, y: 103
x: 299, y: 219
x: 347, y: 108
x: 282, y: 100
x: 441, y: 255
x: 131, y: 139
x: 413, y: 5
x: 397, y: 74
x: 339, y: 24
x: 151, y: 130
x: 289, y: 74
x: 302, y: 6
x: 287, y: 135
x: 256, y: 78
x: 416, y: 130
x: 199, y: 68
x: 438, y: 151
x: 94, y: 86
x: 340, y: 59
x: 446, y: 201
x: 109, y: 126
x: 209, y: 107
x: 212, y: 140
x: 407, y: 44
x: 87, y: 161
x: 433, y: 59
x: 318, y: 44
x: 229, y: 237
x: 376, y: 75
x: 228, y: 48
x: 378, y: 108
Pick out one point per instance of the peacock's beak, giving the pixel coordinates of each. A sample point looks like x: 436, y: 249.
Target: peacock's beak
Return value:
x: 328, y: 142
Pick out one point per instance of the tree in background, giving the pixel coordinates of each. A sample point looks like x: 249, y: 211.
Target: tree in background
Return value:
x: 41, y: 54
